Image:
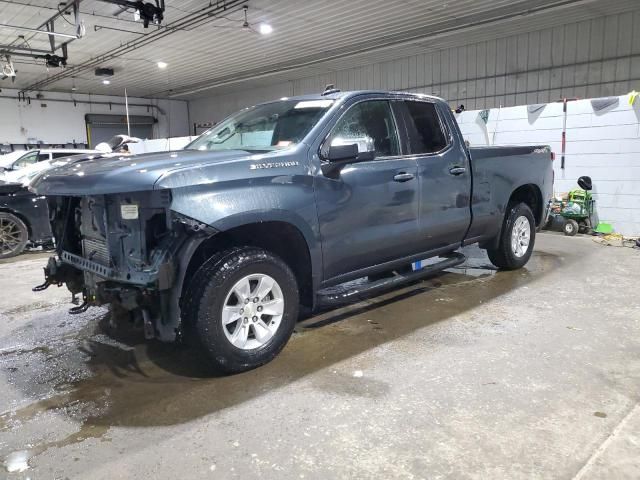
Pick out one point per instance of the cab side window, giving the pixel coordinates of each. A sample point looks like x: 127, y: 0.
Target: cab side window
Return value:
x: 373, y: 120
x: 424, y: 128
x: 43, y: 156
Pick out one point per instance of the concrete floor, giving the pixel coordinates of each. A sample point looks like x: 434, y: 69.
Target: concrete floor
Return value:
x: 472, y: 374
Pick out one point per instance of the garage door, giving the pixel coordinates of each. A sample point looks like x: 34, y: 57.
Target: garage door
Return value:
x: 101, y: 128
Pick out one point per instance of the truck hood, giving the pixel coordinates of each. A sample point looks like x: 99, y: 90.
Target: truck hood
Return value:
x: 105, y: 174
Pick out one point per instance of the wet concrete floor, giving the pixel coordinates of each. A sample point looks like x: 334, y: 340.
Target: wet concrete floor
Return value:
x: 470, y: 374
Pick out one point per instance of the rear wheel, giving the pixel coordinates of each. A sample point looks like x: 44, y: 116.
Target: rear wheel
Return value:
x: 516, y: 239
x: 241, y: 308
x: 14, y: 235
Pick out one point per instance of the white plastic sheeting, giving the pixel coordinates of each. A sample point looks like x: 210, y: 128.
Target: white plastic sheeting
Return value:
x: 604, y: 145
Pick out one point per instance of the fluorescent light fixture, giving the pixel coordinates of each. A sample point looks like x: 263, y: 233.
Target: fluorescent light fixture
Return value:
x: 162, y: 65
x: 106, y: 82
x: 265, y: 29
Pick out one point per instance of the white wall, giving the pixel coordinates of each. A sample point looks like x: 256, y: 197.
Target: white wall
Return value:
x: 602, y: 144
x: 61, y: 122
x: 592, y: 58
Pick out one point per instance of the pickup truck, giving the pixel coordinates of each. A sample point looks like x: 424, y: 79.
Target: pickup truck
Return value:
x: 283, y: 205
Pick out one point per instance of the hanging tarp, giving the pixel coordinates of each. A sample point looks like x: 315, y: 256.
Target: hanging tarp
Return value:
x: 535, y: 108
x: 599, y: 104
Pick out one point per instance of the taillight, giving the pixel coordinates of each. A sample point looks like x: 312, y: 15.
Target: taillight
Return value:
x: 553, y: 156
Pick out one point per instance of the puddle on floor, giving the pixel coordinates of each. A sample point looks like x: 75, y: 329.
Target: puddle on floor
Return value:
x: 77, y: 375
x: 17, y: 462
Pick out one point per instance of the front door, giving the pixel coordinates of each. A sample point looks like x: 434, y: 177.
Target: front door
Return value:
x: 368, y: 214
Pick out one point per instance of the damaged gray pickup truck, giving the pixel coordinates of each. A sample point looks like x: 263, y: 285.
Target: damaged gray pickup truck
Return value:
x: 283, y: 205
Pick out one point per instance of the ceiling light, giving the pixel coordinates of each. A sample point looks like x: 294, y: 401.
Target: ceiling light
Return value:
x: 106, y: 82
x: 265, y: 29
x: 162, y: 65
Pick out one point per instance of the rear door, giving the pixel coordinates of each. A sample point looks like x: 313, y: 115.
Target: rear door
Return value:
x: 368, y: 214
x: 444, y: 175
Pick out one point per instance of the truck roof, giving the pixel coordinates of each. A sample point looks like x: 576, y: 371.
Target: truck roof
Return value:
x: 339, y: 95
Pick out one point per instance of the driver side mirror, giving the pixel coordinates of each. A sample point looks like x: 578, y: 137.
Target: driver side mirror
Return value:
x: 343, y: 151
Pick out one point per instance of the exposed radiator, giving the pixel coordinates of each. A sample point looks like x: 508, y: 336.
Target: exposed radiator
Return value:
x: 93, y: 231
x: 96, y: 250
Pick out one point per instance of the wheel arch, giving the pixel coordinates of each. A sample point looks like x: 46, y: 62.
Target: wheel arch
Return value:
x: 283, y: 238
x: 527, y: 193
x: 531, y: 195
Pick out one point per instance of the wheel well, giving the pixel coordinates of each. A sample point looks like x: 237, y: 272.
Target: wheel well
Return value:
x: 280, y: 238
x: 529, y: 194
x: 21, y: 217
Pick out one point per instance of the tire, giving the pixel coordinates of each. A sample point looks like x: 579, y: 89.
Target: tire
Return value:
x: 513, y: 255
x: 14, y: 235
x: 220, y: 283
x: 570, y: 227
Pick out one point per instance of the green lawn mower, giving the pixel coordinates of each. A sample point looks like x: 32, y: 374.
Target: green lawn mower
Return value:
x: 576, y: 212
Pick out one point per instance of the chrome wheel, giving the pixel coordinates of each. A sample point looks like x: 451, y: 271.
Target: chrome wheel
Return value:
x: 252, y: 311
x: 520, y: 236
x: 11, y: 237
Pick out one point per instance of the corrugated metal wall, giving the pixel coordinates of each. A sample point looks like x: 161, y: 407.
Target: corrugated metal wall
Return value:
x: 593, y: 58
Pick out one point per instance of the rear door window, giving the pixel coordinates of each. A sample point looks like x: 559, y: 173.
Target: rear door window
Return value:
x: 424, y: 129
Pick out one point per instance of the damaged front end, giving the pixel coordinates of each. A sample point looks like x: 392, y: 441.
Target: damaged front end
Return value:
x: 122, y: 249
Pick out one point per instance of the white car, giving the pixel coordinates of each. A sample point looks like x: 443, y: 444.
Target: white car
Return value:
x: 20, y: 167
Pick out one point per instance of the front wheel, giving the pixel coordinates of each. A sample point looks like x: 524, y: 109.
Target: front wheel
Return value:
x: 516, y: 239
x: 14, y: 235
x: 240, y: 308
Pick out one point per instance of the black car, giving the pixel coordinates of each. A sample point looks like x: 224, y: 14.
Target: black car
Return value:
x: 24, y: 219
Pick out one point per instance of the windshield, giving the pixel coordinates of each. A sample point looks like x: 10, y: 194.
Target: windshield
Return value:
x: 7, y: 159
x: 266, y: 127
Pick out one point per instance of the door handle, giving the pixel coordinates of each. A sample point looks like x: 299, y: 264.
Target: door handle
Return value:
x: 403, y: 177
x: 457, y: 170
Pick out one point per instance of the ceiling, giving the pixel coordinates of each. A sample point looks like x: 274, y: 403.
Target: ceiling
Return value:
x: 207, y: 49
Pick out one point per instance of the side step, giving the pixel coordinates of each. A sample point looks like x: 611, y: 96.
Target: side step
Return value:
x: 346, y: 293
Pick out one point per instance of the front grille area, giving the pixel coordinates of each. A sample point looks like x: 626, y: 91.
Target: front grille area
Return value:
x: 93, y: 231
x: 96, y: 250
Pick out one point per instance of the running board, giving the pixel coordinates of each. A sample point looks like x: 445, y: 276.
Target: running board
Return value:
x: 344, y: 294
